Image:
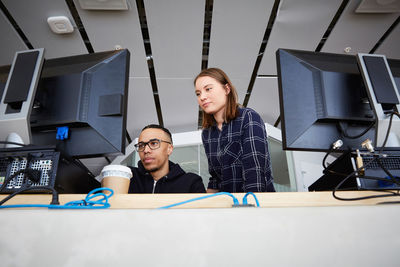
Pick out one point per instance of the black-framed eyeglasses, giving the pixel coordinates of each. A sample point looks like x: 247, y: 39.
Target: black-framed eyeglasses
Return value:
x: 152, y: 143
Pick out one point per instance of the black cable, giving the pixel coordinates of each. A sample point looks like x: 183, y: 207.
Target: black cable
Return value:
x: 32, y: 174
x: 366, y: 197
x: 389, y: 202
x: 376, y: 158
x: 9, y: 178
x: 335, y: 145
x: 54, y: 200
x: 344, y: 133
x: 12, y: 143
x: 324, y: 159
x: 387, y: 172
x: 388, y: 130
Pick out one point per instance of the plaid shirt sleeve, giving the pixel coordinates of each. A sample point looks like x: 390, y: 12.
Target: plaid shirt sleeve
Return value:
x: 255, y: 158
x: 213, y: 182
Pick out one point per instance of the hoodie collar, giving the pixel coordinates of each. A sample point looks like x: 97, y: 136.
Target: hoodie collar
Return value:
x: 174, y: 171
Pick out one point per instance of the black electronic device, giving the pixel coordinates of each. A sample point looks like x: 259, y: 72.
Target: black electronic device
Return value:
x: 394, y: 65
x: 371, y: 176
x: 384, y: 98
x: 39, y: 167
x: 79, y: 109
x: 88, y: 94
x: 18, y: 95
x: 335, y: 173
x: 322, y: 99
x: 375, y: 166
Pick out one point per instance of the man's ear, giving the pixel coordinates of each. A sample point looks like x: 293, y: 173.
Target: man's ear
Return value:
x: 170, y: 149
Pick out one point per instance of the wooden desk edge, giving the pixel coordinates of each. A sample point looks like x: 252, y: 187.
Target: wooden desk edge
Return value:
x: 266, y: 200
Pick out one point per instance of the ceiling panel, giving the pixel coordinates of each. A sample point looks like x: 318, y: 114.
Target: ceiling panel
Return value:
x: 178, y: 104
x: 141, y: 107
x: 176, y: 35
x: 241, y: 86
x: 237, y: 32
x: 104, y: 29
x: 31, y: 16
x: 391, y: 46
x: 358, y: 31
x: 265, y: 99
x: 10, y: 41
x: 299, y: 24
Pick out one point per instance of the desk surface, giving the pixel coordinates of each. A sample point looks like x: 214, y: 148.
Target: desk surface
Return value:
x: 293, y: 229
x: 150, y: 201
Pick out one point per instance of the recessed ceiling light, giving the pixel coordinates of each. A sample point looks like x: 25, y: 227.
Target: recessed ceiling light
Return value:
x: 104, y: 4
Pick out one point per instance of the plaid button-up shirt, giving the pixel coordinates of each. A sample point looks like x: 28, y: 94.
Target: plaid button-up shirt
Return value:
x: 238, y: 156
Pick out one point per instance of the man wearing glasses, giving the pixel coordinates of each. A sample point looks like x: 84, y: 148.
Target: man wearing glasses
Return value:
x: 155, y: 173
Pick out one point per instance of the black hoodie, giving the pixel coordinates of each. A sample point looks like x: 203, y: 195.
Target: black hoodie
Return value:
x: 176, y: 181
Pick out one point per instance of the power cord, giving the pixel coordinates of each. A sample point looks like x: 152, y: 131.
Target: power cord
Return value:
x: 33, y: 175
x: 389, y: 127
x: 345, y: 134
x: 54, y: 200
x: 334, y: 146
x: 90, y: 201
x: 244, y: 200
x: 12, y: 143
x: 376, y: 158
x: 337, y: 188
x: 235, y: 200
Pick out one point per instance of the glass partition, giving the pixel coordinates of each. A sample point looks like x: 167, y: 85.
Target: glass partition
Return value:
x: 190, y: 155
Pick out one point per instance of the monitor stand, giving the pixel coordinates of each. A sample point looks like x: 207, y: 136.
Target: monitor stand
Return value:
x: 384, y: 97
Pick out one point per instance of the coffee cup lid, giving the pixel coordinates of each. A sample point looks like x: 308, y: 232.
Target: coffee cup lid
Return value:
x: 120, y: 168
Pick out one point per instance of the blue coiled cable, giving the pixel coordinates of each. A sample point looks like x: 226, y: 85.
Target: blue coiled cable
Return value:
x: 95, y: 199
x: 235, y: 200
x: 244, y: 201
x: 90, y: 201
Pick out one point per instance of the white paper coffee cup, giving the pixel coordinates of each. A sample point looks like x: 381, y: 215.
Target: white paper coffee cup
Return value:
x: 116, y: 177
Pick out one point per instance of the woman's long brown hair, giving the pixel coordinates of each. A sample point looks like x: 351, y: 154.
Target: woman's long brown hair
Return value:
x: 231, y: 108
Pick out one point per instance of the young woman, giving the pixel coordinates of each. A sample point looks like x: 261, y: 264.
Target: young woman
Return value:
x: 234, y: 138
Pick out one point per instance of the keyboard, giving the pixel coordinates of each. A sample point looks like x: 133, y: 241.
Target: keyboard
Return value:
x: 391, y: 162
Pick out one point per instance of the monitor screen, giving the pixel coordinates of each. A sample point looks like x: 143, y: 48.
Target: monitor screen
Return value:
x: 322, y: 99
x: 18, y: 95
x: 88, y: 95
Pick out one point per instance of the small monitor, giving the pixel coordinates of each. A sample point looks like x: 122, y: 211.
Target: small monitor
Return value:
x: 384, y: 98
x: 17, y: 94
x: 394, y: 65
x: 322, y: 100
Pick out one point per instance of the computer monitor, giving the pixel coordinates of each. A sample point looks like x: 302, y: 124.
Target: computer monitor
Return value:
x: 394, y: 65
x: 384, y: 98
x: 322, y: 99
x: 88, y: 95
x: 18, y: 94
